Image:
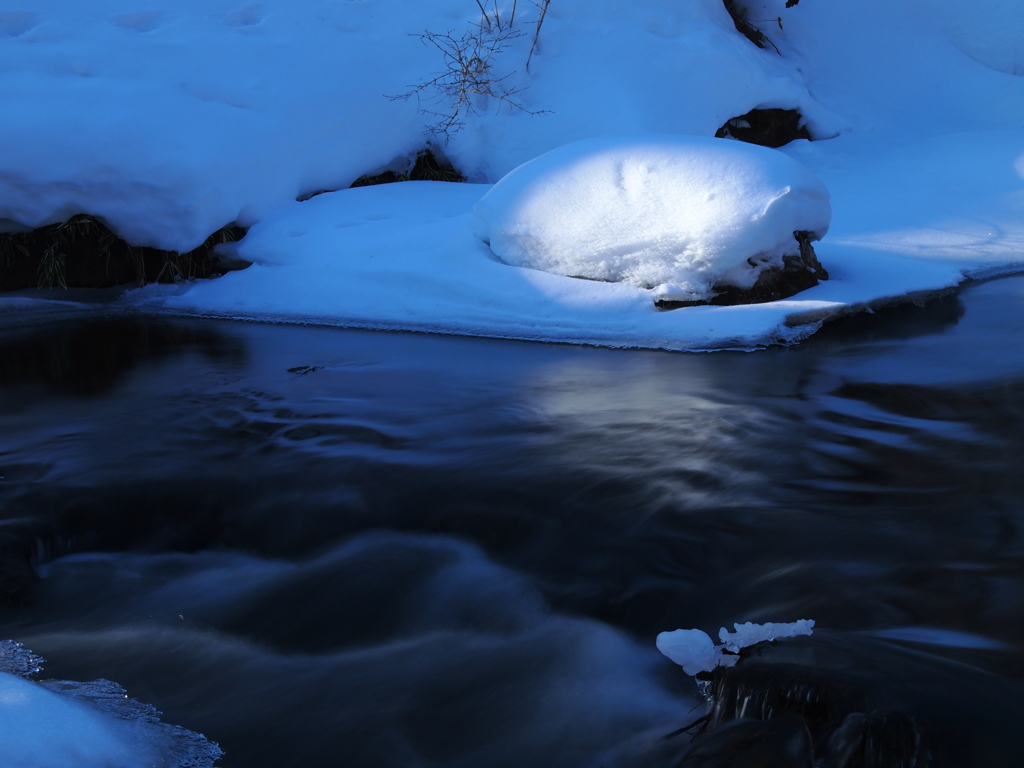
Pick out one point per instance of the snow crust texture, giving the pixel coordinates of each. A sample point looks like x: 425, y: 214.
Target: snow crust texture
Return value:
x: 15, y: 659
x: 679, y: 212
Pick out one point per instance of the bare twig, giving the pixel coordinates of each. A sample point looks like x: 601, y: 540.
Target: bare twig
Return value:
x: 536, y: 34
x: 484, y: 13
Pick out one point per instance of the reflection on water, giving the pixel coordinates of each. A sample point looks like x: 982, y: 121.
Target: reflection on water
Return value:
x: 400, y: 549
x: 89, y: 357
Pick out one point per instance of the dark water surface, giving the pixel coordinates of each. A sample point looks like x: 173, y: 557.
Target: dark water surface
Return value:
x: 334, y: 548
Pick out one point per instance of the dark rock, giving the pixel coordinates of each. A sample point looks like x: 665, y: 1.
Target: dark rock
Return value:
x: 744, y: 27
x: 367, y: 180
x: 799, y: 271
x: 767, y: 127
x: 781, y: 741
x: 427, y: 167
x: 856, y: 702
x: 83, y: 252
x: 795, y: 715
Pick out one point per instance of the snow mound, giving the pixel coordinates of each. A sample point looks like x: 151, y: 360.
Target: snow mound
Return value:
x: 677, y: 212
x: 694, y: 651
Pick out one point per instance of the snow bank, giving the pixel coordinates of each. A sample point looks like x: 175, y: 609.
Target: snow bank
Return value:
x: 170, y: 120
x: 403, y: 256
x: 694, y: 651
x: 680, y: 212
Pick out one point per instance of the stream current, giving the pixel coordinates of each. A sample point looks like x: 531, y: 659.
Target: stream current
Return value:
x: 325, y: 547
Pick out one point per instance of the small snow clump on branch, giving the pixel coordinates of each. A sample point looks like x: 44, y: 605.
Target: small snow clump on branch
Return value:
x: 677, y: 212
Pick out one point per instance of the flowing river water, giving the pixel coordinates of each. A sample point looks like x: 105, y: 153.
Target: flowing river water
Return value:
x: 324, y: 547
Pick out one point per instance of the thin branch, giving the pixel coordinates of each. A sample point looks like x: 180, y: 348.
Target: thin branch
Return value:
x: 540, y: 21
x: 484, y: 13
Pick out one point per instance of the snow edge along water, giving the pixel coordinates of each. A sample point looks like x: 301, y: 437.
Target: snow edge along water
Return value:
x: 89, y: 723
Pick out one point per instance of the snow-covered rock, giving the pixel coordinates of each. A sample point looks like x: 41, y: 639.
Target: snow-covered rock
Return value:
x: 679, y: 212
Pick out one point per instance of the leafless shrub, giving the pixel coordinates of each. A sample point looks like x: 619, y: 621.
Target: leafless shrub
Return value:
x: 470, y: 78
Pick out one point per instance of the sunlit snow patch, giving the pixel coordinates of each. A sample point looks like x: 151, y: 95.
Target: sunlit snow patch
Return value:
x: 677, y: 212
x: 64, y: 724
x: 694, y: 651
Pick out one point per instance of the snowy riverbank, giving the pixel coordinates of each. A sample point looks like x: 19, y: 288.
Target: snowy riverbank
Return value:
x: 169, y: 123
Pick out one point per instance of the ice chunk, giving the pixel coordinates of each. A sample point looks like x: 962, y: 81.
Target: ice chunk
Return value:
x: 751, y: 634
x: 676, y: 211
x: 694, y: 651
